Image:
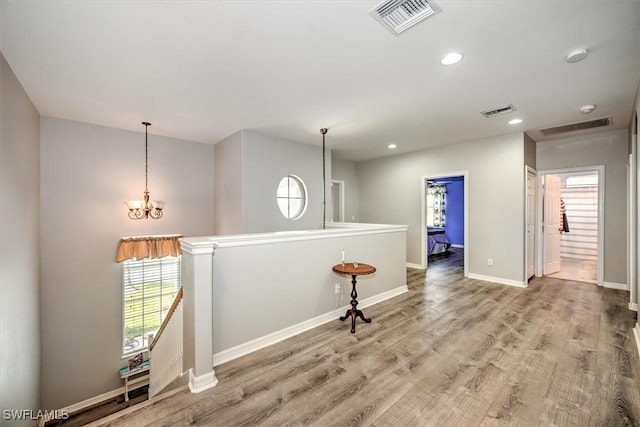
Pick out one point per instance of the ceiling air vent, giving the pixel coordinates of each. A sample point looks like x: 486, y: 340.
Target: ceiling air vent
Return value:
x: 492, y: 112
x: 577, y: 126
x: 400, y: 15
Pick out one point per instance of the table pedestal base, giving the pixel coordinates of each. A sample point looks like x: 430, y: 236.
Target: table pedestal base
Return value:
x: 353, y: 312
x: 353, y: 318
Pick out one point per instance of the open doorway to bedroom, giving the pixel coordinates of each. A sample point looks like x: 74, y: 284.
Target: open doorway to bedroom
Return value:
x: 444, y: 218
x: 571, y: 217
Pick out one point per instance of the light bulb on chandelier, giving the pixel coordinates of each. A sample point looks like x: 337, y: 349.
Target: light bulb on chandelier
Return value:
x: 146, y: 208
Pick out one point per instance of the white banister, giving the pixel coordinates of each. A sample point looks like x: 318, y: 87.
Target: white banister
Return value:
x: 166, y: 351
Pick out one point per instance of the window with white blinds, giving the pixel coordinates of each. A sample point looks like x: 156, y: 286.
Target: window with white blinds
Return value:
x: 149, y: 287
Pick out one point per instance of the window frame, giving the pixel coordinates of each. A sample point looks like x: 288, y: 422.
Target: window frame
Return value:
x: 154, y: 272
x: 304, y: 198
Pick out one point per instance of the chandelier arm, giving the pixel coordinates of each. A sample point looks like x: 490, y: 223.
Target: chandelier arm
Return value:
x: 136, y: 214
x: 156, y: 214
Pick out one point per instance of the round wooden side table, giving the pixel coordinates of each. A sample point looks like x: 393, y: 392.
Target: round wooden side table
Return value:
x: 354, y: 270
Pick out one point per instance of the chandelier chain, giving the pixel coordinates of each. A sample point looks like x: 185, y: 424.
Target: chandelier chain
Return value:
x: 146, y: 155
x: 145, y: 208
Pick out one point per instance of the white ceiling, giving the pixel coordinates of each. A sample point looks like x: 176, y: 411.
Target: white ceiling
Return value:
x: 202, y: 70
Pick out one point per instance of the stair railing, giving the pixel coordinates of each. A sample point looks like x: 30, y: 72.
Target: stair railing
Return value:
x: 166, y: 349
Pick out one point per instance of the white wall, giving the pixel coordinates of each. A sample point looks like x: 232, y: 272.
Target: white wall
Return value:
x: 87, y: 172
x: 19, y: 246
x: 345, y: 170
x: 391, y: 188
x: 609, y: 148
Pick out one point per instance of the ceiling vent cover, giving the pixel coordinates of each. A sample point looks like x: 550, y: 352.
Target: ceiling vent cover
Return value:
x: 597, y: 123
x: 492, y: 112
x: 400, y: 15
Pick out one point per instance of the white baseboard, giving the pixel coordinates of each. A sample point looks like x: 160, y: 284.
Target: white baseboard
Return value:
x: 251, y: 346
x: 499, y: 280
x: 412, y: 265
x: 281, y: 335
x: 455, y: 245
x: 133, y: 408
x: 633, y: 306
x: 102, y: 397
x: 201, y: 383
x: 613, y: 285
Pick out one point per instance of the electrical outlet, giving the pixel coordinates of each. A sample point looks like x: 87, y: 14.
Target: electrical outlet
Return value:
x: 337, y: 288
x: 490, y: 262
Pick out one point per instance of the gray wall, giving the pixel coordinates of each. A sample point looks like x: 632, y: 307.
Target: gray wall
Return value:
x: 265, y: 160
x: 391, y: 192
x: 529, y: 152
x: 345, y: 170
x: 278, y: 298
x: 87, y: 173
x: 228, y: 185
x: 19, y: 246
x: 611, y: 150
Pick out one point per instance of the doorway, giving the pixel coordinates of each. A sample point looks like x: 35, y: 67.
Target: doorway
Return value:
x: 337, y: 201
x: 444, y: 213
x: 572, y: 220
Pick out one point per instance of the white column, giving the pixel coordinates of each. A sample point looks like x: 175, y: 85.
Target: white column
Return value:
x: 197, y: 264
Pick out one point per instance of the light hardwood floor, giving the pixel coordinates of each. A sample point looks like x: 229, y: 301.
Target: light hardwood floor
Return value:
x: 577, y: 270
x: 450, y: 352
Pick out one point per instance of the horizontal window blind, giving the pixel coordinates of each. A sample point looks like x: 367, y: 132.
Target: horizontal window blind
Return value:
x: 581, y: 242
x: 149, y: 287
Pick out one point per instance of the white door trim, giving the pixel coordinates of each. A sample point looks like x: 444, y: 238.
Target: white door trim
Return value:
x: 423, y: 215
x: 540, y: 196
x: 632, y: 221
x: 529, y: 170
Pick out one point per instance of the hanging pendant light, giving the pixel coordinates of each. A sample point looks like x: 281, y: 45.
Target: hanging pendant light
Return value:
x: 324, y: 131
x: 139, y: 209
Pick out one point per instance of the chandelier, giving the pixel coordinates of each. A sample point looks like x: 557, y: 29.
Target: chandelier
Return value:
x: 139, y: 209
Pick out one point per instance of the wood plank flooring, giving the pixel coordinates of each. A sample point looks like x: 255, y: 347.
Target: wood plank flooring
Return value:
x: 450, y: 352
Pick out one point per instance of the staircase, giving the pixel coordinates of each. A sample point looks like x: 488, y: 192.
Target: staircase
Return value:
x: 166, y: 351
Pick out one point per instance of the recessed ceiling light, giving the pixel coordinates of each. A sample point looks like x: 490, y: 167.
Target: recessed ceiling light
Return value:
x: 586, y: 109
x: 451, y: 58
x: 392, y: 146
x: 515, y: 121
x: 577, y: 55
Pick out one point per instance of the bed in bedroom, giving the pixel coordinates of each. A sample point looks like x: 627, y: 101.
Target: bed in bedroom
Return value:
x: 437, y: 241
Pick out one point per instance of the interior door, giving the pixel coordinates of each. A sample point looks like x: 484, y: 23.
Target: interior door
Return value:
x: 551, y: 219
x: 531, y: 220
